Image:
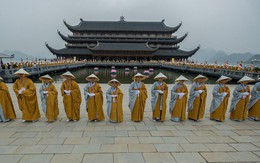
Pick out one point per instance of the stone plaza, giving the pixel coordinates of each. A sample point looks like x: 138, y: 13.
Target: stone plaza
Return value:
x: 127, y: 142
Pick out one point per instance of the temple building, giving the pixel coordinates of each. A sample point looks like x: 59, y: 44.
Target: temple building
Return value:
x: 122, y: 40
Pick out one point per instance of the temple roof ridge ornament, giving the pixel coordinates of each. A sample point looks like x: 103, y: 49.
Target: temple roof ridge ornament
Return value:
x: 122, y: 18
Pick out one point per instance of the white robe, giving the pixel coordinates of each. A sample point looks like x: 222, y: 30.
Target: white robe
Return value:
x: 2, y: 116
x: 193, y: 95
x: 43, y: 96
x: 155, y: 94
x: 174, y: 96
x: 109, y: 99
x: 89, y: 84
x: 237, y: 95
x: 255, y: 95
x: 133, y: 93
x: 217, y: 97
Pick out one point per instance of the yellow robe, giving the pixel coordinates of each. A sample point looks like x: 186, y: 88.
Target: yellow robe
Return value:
x: 27, y: 101
x: 138, y: 110
x: 52, y: 110
x: 116, y: 114
x: 6, y: 102
x: 254, y: 111
x: 199, y: 104
x: 240, y: 112
x: 157, y: 112
x: 179, y: 110
x: 95, y: 103
x: 71, y: 102
x: 220, y: 112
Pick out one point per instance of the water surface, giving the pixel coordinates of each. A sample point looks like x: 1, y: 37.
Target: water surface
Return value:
x: 123, y: 76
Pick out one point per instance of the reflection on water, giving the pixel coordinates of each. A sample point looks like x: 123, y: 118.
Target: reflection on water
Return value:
x: 124, y: 75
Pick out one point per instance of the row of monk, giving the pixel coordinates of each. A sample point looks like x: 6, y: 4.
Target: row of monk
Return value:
x: 25, y: 90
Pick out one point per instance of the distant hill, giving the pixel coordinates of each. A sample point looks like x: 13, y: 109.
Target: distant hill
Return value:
x: 204, y: 55
x: 18, y: 55
x: 219, y: 56
x: 255, y: 57
x: 212, y: 55
x: 237, y: 57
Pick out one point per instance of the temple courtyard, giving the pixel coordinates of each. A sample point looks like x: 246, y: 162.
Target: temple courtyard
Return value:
x: 147, y: 141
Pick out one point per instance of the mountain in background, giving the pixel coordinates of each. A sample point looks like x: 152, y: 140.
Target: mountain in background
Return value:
x: 255, y: 57
x: 219, y: 57
x: 237, y: 57
x: 204, y: 55
x: 18, y: 55
x: 211, y: 55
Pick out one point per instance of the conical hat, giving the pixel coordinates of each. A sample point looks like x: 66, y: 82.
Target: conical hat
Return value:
x: 68, y: 74
x: 21, y: 71
x: 160, y: 75
x: 200, y: 76
x: 138, y: 74
x: 246, y: 78
x: 223, y: 78
x: 114, y: 80
x: 92, y: 76
x: 181, y: 78
x: 46, y: 77
x: 1, y: 78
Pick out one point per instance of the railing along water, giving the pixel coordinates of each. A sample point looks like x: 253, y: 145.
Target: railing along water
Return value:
x: 8, y: 74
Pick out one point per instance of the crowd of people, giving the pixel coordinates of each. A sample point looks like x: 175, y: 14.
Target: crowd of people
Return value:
x: 226, y: 65
x: 181, y: 100
x: 237, y: 67
x: 41, y: 63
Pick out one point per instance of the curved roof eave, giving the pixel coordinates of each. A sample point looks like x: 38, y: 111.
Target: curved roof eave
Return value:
x: 121, y: 26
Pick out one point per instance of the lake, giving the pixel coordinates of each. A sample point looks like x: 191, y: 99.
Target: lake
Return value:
x: 125, y: 77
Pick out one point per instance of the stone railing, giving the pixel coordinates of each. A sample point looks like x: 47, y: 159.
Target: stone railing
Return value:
x: 8, y: 74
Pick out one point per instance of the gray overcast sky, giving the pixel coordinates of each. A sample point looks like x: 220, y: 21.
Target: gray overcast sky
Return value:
x: 229, y: 25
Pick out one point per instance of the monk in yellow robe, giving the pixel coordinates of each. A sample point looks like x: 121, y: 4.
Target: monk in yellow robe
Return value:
x: 197, y: 99
x: 94, y: 99
x: 7, y: 112
x: 137, y: 98
x: 49, y: 98
x: 178, y: 103
x: 25, y: 92
x: 114, y: 98
x: 239, y: 103
x: 71, y: 97
x: 159, y: 92
x: 254, y: 103
x: 221, y: 94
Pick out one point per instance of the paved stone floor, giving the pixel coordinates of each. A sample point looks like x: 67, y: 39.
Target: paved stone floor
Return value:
x: 147, y: 141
